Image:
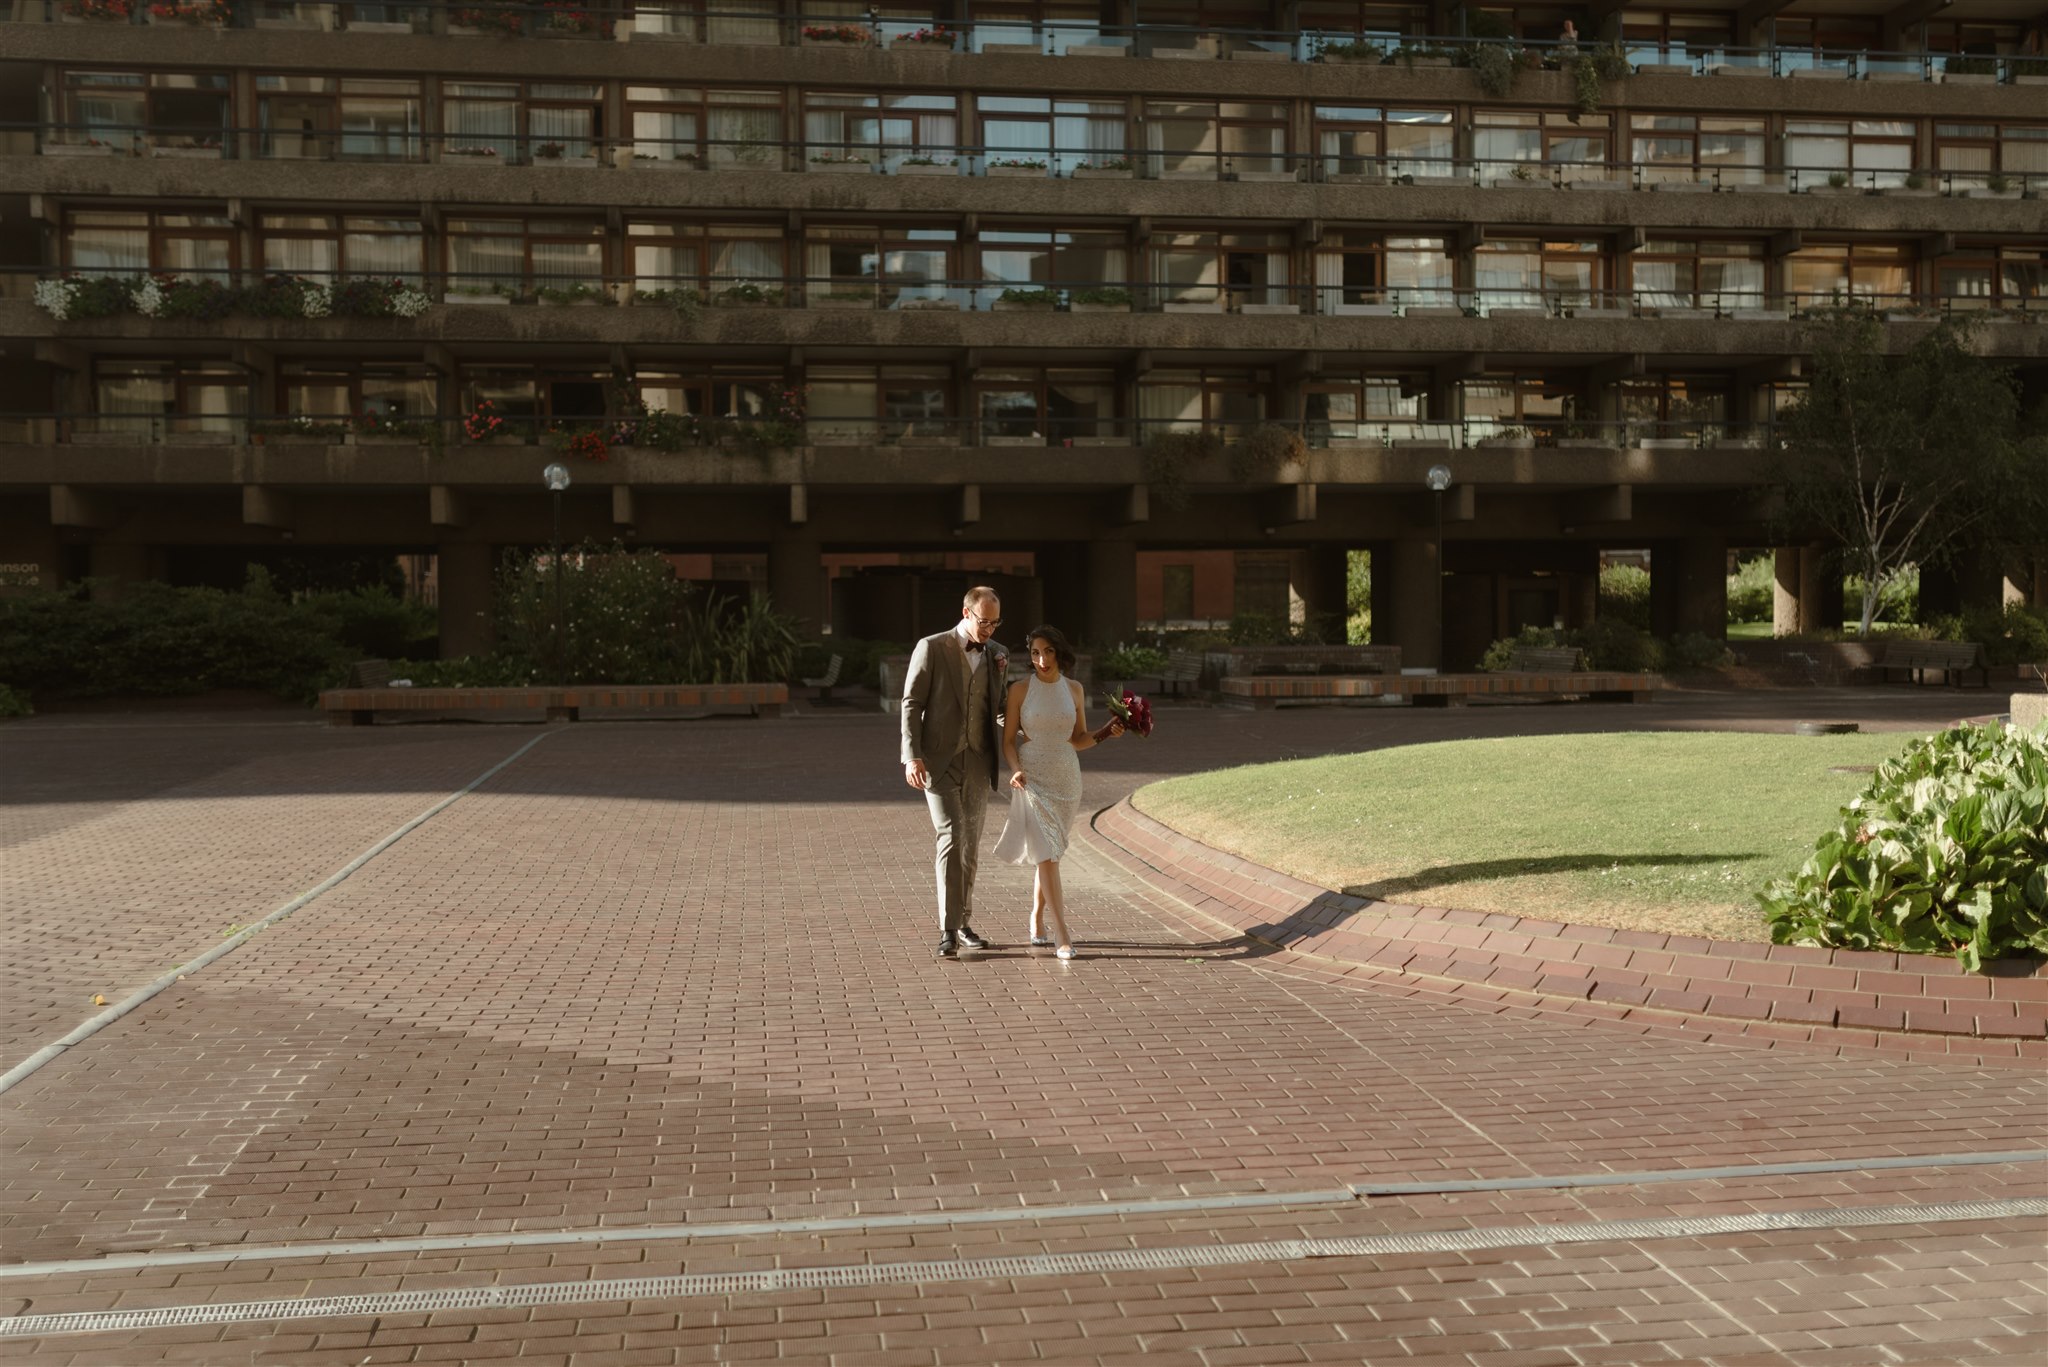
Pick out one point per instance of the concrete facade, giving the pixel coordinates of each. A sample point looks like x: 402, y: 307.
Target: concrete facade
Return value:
x: 1601, y: 445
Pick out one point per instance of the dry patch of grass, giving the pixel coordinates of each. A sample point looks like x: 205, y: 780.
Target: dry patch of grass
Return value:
x: 1669, y: 832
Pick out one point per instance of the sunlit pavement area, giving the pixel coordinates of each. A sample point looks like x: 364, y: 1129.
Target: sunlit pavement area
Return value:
x: 636, y: 1052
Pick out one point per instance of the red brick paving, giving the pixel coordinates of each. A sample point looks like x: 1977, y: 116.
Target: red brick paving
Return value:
x: 665, y: 972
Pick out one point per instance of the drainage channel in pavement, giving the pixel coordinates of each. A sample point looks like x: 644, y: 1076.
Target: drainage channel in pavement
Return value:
x: 641, y: 1289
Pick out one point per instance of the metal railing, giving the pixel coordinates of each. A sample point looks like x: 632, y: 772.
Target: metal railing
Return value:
x: 712, y: 25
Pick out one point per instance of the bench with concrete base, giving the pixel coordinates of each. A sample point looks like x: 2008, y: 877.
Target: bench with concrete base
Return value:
x: 1918, y: 659
x: 360, y: 706
x: 1434, y: 690
x: 1305, y: 659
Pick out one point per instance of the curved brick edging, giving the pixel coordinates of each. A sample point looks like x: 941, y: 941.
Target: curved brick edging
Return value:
x: 1770, y: 994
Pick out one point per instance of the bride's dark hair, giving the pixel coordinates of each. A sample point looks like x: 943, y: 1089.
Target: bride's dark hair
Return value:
x: 1061, y: 651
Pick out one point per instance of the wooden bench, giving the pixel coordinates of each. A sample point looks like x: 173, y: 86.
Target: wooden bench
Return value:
x: 1183, y: 673
x: 1952, y: 659
x: 829, y: 680
x: 1543, y: 660
x: 360, y: 706
x: 1306, y: 659
x: 1434, y: 690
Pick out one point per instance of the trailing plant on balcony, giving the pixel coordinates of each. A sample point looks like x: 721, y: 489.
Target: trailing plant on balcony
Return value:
x: 837, y: 33
x: 1357, y: 49
x: 204, y: 301
x: 1167, y: 456
x: 929, y: 161
x: 584, y: 443
x: 1264, y: 450
x: 1047, y: 298
x: 379, y: 299
x: 1608, y: 62
x: 1104, y: 164
x: 490, y: 19
x: 1108, y: 296
x: 426, y: 431
x: 1018, y: 163
x: 1838, y: 180
x: 938, y: 35
x: 1971, y: 66
x: 198, y: 13
x: 549, y: 151
x: 489, y: 152
x: 839, y: 159
x: 101, y: 11
x: 748, y: 292
x: 302, y: 427
x: 483, y: 422
x: 565, y: 17
x: 575, y: 292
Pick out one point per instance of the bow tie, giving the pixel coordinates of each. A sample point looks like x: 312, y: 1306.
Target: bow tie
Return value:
x: 976, y: 647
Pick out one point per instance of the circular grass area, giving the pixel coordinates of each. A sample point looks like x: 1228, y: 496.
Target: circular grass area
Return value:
x: 1660, y: 831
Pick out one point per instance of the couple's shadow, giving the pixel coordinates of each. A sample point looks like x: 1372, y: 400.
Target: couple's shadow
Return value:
x: 1206, y: 951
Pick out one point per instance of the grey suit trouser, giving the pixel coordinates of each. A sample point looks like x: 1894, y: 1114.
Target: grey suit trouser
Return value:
x: 958, y: 800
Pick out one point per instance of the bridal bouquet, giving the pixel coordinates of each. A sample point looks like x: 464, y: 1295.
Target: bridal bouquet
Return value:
x: 1133, y: 711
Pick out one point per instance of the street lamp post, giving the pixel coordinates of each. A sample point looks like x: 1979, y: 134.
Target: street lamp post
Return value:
x: 556, y: 477
x: 1439, y: 479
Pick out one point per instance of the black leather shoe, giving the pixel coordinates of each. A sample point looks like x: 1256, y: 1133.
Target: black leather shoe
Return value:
x: 946, y: 950
x: 969, y: 940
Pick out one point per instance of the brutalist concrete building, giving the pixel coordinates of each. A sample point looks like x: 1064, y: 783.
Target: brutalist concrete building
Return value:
x: 1157, y: 308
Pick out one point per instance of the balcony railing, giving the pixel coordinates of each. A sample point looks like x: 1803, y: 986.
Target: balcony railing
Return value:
x: 1019, y: 37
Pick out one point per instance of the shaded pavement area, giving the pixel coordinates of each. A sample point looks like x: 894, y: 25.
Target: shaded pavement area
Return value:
x: 663, y: 990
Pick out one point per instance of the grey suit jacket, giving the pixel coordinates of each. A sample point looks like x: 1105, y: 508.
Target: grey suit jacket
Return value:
x: 935, y: 701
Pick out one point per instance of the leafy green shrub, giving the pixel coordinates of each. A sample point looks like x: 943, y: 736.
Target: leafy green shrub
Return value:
x: 1501, y: 653
x: 373, y: 621
x: 1945, y: 852
x: 1625, y: 595
x: 1897, y: 601
x: 1618, y: 646
x: 469, y: 671
x: 1751, y: 590
x: 2016, y: 634
x: 1696, y: 650
x: 1167, y: 456
x: 14, y: 703
x: 1130, y: 662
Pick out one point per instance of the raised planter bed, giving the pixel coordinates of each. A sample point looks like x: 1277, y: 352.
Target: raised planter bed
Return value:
x: 1016, y: 172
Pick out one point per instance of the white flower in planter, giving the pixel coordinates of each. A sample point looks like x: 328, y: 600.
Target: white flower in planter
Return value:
x: 409, y: 303
x: 148, y: 297
x: 55, y: 297
x: 315, y: 301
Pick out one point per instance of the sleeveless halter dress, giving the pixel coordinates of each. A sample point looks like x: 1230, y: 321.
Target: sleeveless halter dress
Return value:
x: 1036, y: 829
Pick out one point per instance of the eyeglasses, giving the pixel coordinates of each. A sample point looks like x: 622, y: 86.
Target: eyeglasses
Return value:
x: 981, y: 621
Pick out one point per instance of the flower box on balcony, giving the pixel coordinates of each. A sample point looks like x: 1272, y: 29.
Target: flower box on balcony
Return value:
x: 822, y: 300
x: 451, y: 156
x: 78, y: 149
x: 462, y: 297
x: 1600, y: 313
x: 186, y: 153
x: 1025, y: 172
x: 1432, y: 311
x: 378, y: 26
x: 1102, y: 173
x: 909, y: 42
x: 1758, y: 187
x: 928, y: 306
x: 1012, y: 50
x: 1522, y: 183
x: 1587, y: 443
x: 1033, y: 440
x: 1192, y: 306
x: 1738, y: 71
x: 1022, y: 306
x: 839, y: 168
x: 1440, y: 182
x: 1664, y: 69
x: 934, y: 168
x: 1595, y: 182
x: 1679, y: 314
x: 647, y: 163
x: 1268, y: 310
x: 1509, y: 443
x: 1356, y: 178
x: 1513, y: 312
x: 1969, y: 78
x: 1259, y: 54
x: 1365, y: 310
x: 845, y: 35
x: 1682, y: 187
x: 1097, y: 50
x: 1078, y: 307
x: 1179, y: 54
x: 1266, y: 177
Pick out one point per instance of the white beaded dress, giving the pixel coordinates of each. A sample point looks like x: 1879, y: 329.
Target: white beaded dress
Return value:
x: 1041, y: 812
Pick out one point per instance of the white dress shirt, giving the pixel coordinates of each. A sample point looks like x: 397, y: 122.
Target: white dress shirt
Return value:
x: 965, y: 631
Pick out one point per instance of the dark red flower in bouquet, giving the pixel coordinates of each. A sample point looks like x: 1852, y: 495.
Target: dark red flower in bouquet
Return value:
x: 1133, y: 711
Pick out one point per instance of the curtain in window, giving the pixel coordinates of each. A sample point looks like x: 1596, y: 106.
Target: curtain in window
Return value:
x: 743, y: 136
x: 1174, y: 406
x: 110, y: 251
x: 308, y: 258
x: 570, y: 127
x: 665, y: 135
x: 125, y: 403
x: 734, y: 262
x: 483, y: 123
x: 111, y: 117
x: 1329, y: 281
x: 564, y: 263
x: 743, y: 21
x: 384, y: 256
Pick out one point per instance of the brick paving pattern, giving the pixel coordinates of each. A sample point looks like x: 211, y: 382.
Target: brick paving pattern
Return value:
x: 658, y: 973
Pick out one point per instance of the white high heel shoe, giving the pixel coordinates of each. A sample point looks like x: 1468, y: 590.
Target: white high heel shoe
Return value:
x: 1065, y: 952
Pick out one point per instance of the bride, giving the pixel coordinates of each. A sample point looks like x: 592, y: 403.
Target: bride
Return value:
x: 1045, y: 726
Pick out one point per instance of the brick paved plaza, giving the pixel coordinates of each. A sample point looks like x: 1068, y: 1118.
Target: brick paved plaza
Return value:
x: 657, y: 1001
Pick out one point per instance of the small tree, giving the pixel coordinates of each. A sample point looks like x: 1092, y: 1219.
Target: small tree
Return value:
x: 1906, y: 459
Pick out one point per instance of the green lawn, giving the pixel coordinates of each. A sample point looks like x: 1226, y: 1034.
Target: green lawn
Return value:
x: 1749, y: 631
x: 1669, y: 832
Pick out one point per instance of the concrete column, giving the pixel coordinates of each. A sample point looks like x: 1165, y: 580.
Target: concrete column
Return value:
x: 1795, y: 596
x: 1320, y: 581
x: 1065, y: 591
x: 796, y: 580
x: 1405, y: 610
x: 1112, y: 591
x: 1689, y: 586
x: 117, y: 564
x: 463, y: 581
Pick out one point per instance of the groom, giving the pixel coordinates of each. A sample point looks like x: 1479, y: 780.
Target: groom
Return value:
x: 952, y: 724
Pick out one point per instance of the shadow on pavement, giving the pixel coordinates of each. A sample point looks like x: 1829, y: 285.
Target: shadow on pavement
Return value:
x: 1485, y: 870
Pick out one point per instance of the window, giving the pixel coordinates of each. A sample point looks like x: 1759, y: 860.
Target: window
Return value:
x: 1803, y: 43
x: 1027, y: 21
x: 1550, y: 275
x: 1062, y: 133
x: 1359, y: 407
x: 1358, y: 269
x: 1040, y: 258
x: 665, y: 255
x: 190, y: 246
x: 1202, y: 141
x: 1875, y: 152
x: 1531, y: 402
x: 1818, y: 275
x: 501, y: 256
x: 1994, y: 278
x: 881, y: 129
x: 1972, y: 153
x: 1233, y: 269
x: 742, y: 394
x: 328, y: 247
x: 526, y: 397
x: 1689, y: 147
x: 318, y: 118
x: 1691, y: 409
x: 1518, y: 145
x: 499, y: 119
x: 1673, y: 274
x: 1674, y: 38
x: 343, y: 389
x: 853, y: 404
x: 1365, y: 140
x: 170, y: 110
x: 893, y: 264
x: 1016, y: 407
x: 729, y: 21
x: 1177, y: 593
x: 1345, y: 20
x: 143, y: 399
x: 1227, y: 401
